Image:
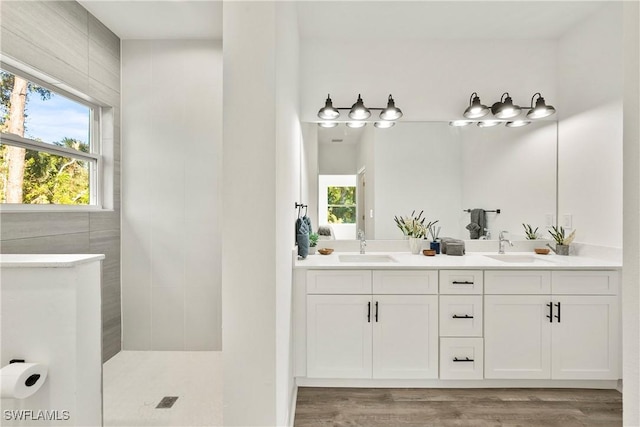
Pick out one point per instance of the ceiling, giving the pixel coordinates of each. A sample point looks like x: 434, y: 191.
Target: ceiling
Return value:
x: 354, y: 20
x: 341, y: 134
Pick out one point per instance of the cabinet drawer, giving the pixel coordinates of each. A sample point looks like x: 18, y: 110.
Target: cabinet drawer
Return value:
x: 517, y: 282
x: 461, y: 359
x: 461, y: 315
x: 585, y: 282
x: 461, y: 282
x: 339, y: 282
x: 405, y: 282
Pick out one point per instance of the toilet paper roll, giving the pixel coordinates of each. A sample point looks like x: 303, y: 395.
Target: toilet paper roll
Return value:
x: 20, y: 380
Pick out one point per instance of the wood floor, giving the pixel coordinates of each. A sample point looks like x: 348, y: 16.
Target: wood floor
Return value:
x: 457, y: 407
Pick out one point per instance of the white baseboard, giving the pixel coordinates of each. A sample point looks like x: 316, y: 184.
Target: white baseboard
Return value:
x: 292, y: 406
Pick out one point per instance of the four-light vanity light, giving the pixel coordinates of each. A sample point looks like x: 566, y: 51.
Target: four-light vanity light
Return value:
x: 503, y: 110
x: 358, y: 113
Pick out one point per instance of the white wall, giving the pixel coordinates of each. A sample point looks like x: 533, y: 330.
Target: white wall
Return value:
x: 309, y: 170
x: 261, y: 175
x: 287, y: 191
x: 172, y: 97
x: 631, y: 271
x: 429, y: 79
x: 589, y: 109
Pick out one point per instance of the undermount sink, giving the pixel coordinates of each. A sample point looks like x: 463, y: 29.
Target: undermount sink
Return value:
x: 515, y: 258
x: 365, y: 258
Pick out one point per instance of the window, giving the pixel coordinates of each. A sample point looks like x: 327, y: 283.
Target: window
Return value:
x: 49, y: 149
x: 341, y: 205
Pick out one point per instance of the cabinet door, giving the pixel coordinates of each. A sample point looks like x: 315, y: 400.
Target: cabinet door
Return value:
x: 585, y: 340
x: 517, y: 337
x: 405, y: 336
x: 339, y: 336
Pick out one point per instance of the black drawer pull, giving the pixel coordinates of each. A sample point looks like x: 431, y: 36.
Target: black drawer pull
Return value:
x: 466, y: 359
x: 550, y: 315
x: 466, y: 282
x: 558, y: 315
x: 466, y: 316
x: 369, y: 312
x: 376, y: 311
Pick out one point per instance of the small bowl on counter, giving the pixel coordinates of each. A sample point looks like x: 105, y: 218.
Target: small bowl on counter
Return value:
x: 325, y: 251
x: 542, y: 251
x: 429, y: 252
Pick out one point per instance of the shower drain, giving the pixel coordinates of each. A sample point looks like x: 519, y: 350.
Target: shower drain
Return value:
x: 167, y: 402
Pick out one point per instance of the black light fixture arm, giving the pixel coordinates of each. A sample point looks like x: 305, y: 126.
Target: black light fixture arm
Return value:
x: 533, y: 99
x: 473, y: 95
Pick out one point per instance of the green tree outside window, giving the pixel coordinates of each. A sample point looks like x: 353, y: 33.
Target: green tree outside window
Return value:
x: 341, y: 205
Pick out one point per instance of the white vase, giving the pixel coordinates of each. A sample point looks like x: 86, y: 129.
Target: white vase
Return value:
x: 312, y: 250
x: 415, y: 245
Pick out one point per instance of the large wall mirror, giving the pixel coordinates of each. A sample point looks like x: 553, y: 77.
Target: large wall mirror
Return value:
x: 361, y: 178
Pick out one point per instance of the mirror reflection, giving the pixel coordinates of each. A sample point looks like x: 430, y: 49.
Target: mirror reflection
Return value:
x: 364, y: 177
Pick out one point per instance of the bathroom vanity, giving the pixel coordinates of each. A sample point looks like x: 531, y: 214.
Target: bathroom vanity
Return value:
x: 479, y: 320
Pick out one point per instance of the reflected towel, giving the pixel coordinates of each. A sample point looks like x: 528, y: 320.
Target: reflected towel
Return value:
x: 478, y: 223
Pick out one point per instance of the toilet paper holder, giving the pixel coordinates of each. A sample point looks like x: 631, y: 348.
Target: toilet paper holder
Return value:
x: 32, y: 378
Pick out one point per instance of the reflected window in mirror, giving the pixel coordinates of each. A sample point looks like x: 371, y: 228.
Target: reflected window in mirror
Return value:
x: 337, y: 204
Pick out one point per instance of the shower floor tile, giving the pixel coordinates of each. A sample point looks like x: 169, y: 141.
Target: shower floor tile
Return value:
x: 135, y: 382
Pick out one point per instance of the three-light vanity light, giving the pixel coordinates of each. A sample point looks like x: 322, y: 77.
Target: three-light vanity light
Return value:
x: 358, y: 114
x: 503, y: 110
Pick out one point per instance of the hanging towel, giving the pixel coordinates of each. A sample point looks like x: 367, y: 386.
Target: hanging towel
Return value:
x: 303, y: 228
x: 477, y: 225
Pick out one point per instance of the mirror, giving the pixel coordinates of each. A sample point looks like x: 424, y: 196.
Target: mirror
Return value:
x: 432, y: 167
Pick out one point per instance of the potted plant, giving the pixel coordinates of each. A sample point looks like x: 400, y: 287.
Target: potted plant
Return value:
x: 530, y: 232
x: 313, y: 242
x: 414, y: 228
x: 562, y: 242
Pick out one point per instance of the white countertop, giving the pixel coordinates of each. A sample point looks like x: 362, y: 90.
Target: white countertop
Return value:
x: 46, y: 260
x: 472, y: 260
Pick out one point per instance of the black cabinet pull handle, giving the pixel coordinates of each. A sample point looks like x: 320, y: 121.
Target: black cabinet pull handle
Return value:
x: 558, y: 315
x: 376, y: 311
x: 369, y: 312
x: 466, y: 282
x: 466, y: 359
x: 550, y: 315
x: 466, y: 316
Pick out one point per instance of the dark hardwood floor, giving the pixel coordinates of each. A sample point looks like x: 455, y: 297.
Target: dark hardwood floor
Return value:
x: 457, y: 407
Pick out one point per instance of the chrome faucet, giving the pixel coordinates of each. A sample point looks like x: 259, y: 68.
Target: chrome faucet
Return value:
x: 363, y: 242
x: 502, y: 241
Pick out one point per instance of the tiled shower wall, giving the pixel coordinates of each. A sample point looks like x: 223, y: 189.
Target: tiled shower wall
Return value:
x: 64, y: 41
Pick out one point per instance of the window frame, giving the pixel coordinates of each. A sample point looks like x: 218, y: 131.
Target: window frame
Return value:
x: 94, y: 157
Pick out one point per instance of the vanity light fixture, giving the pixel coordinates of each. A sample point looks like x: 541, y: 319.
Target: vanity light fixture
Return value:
x: 505, y: 109
x: 328, y: 112
x: 476, y: 109
x: 391, y: 112
x: 489, y: 123
x: 385, y: 124
x: 356, y: 125
x: 328, y: 125
x: 541, y: 109
x: 518, y: 123
x: 458, y: 123
x: 358, y: 113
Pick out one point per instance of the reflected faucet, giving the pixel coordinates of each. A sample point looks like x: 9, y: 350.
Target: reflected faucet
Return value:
x: 502, y: 241
x: 363, y: 242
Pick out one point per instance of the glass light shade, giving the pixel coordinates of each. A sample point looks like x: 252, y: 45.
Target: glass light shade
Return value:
x: 458, y: 123
x: 328, y: 124
x: 356, y: 125
x: 391, y: 112
x: 359, y: 111
x: 476, y: 109
x: 489, y: 123
x: 505, y: 109
x: 540, y: 110
x: 384, y: 124
x: 328, y: 112
x: 517, y: 123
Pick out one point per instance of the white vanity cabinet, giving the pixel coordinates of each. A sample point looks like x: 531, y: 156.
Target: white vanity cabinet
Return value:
x: 354, y: 333
x: 564, y: 326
